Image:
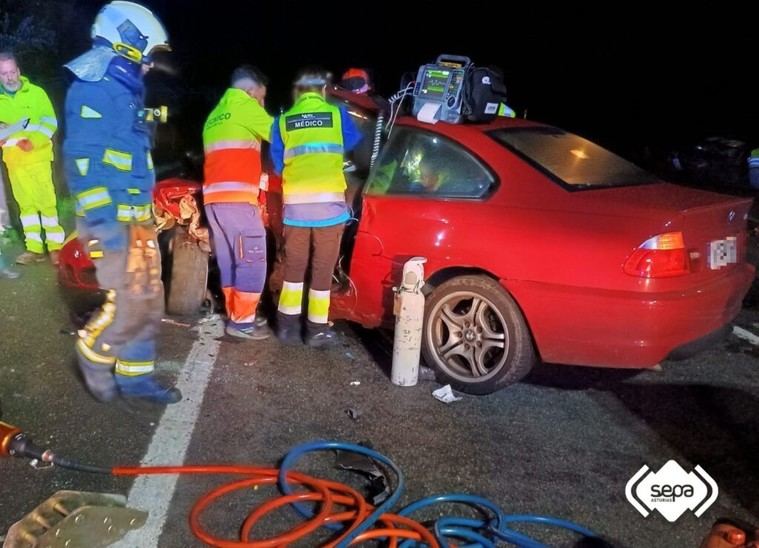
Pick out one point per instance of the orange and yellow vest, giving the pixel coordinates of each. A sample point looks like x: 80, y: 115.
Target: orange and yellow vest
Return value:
x: 232, y: 143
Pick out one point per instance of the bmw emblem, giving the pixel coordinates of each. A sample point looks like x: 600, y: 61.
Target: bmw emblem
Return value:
x: 731, y: 216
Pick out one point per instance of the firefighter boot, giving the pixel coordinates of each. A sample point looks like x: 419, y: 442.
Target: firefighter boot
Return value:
x: 98, y: 379
x: 320, y: 335
x: 288, y: 328
x: 146, y: 387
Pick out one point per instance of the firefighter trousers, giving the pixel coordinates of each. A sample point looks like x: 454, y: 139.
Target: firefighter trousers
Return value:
x: 120, y: 336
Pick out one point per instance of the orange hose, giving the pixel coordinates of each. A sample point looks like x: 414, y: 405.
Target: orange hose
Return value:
x: 353, y: 508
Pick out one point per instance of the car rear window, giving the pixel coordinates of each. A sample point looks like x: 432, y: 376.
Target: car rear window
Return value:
x: 572, y: 160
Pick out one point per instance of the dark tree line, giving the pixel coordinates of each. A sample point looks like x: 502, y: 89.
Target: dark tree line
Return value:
x: 44, y: 34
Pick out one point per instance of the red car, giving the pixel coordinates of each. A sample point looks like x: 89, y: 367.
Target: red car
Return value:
x: 539, y: 245
x: 184, y: 247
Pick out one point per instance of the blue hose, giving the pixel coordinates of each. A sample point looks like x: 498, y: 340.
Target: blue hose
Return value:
x: 313, y: 446
x: 496, y: 527
x: 483, y: 533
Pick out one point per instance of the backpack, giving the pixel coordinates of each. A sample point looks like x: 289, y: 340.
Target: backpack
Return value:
x: 484, y: 91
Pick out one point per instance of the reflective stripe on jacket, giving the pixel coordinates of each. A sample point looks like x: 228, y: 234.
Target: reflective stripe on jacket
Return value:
x: 313, y: 151
x: 106, y: 151
x: 31, y: 102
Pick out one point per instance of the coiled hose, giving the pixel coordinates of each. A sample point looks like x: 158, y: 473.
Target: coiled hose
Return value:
x: 378, y: 127
x: 340, y: 508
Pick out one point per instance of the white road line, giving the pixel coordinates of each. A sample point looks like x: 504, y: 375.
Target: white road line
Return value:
x: 171, y: 439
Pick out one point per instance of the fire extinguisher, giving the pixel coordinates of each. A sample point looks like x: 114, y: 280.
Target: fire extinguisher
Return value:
x: 409, y: 320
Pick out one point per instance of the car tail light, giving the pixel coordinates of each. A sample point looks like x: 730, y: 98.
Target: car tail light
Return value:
x: 661, y: 256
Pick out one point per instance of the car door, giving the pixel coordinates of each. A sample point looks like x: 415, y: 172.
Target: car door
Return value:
x: 422, y: 187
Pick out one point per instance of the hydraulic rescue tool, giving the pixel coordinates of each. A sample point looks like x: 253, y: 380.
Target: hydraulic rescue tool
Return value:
x: 322, y: 503
x: 68, y: 518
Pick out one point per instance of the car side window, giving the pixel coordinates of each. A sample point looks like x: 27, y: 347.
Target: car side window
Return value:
x: 425, y: 164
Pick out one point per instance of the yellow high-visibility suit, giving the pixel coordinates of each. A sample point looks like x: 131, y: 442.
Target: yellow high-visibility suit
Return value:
x: 28, y: 154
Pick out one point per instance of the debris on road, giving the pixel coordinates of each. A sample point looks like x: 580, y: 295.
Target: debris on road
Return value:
x: 353, y: 413
x: 746, y: 335
x: 174, y: 322
x: 209, y: 318
x: 445, y: 394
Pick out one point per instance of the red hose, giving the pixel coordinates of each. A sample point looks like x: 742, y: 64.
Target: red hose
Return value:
x: 337, y: 503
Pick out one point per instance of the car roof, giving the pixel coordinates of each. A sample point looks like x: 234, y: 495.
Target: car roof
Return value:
x: 464, y: 129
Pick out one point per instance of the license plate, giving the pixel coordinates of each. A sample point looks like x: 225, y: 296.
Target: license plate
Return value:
x: 723, y: 252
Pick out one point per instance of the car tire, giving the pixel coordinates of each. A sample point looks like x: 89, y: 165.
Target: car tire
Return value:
x: 475, y: 337
x: 188, y: 278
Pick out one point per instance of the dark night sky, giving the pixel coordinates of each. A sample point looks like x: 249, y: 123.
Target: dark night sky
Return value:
x: 628, y: 74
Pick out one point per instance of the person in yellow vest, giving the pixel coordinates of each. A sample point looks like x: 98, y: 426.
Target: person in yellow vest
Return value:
x: 29, y: 123
x: 232, y: 138
x: 307, y: 147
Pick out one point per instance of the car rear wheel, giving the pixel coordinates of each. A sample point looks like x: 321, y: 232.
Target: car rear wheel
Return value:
x: 475, y: 337
x: 188, y: 279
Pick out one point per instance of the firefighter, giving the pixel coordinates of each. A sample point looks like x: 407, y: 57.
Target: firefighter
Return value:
x: 28, y: 155
x: 307, y: 147
x: 110, y: 172
x: 232, y: 138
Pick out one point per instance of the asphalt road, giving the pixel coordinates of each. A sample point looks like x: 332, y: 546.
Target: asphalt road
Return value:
x: 564, y: 443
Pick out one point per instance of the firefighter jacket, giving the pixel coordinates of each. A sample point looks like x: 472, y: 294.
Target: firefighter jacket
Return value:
x: 107, y: 151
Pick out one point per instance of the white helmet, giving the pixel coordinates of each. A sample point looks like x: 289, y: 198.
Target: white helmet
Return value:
x: 121, y: 29
x: 132, y: 30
